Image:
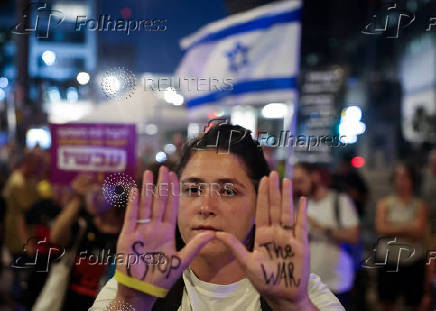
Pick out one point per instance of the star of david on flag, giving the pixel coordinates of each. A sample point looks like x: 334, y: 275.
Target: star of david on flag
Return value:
x: 237, y: 57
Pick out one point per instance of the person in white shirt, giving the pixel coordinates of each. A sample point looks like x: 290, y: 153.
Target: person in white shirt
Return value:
x: 333, y: 220
x: 244, y: 248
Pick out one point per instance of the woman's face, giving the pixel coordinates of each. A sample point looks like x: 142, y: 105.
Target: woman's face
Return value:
x: 226, y: 201
x: 402, y: 180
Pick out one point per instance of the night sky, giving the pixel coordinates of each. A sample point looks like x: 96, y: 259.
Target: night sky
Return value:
x: 157, y: 52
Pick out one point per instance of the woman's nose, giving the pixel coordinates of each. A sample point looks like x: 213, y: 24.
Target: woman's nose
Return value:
x: 208, y: 203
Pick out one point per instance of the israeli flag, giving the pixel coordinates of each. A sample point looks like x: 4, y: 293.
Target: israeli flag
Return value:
x: 247, y: 58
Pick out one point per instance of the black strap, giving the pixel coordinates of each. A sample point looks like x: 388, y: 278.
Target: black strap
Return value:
x: 263, y: 305
x: 337, y: 210
x: 173, y: 300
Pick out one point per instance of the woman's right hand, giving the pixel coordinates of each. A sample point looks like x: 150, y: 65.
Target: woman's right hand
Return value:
x: 150, y: 247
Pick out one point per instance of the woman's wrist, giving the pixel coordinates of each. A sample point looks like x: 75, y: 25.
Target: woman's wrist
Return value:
x: 139, y: 300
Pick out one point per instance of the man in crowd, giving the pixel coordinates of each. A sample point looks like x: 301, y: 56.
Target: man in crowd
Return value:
x: 332, y: 221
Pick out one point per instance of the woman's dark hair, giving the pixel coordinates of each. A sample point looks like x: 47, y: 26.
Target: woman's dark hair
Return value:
x: 229, y: 138
x: 411, y: 171
x: 315, y: 167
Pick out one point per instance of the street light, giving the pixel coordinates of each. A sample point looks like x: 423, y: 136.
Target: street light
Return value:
x: 82, y: 78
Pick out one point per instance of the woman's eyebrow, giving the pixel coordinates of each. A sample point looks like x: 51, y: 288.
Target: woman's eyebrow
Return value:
x: 192, y: 180
x: 228, y: 180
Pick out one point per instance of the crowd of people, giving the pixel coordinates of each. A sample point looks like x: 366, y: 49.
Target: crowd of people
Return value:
x: 41, y: 222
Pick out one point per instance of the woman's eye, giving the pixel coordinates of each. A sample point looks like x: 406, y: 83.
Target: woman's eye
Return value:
x: 192, y: 190
x: 229, y: 192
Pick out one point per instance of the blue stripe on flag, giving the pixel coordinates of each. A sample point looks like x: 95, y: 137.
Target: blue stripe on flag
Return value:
x: 257, y: 24
x: 245, y: 87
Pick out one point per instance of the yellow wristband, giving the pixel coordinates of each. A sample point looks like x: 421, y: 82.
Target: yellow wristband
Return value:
x: 140, y: 285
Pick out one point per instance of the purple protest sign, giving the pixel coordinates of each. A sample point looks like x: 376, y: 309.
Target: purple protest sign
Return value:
x: 93, y: 148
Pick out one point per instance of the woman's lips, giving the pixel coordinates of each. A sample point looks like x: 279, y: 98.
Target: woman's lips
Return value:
x: 205, y: 228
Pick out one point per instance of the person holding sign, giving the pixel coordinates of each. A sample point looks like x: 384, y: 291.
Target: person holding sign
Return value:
x: 244, y: 249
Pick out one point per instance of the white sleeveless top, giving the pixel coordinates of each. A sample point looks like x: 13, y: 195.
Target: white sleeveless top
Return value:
x: 398, y: 213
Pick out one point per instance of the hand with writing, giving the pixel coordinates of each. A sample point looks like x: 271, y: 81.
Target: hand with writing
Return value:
x: 279, y: 265
x: 150, y: 245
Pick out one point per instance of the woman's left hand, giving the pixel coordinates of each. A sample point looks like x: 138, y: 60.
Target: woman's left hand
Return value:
x: 279, y: 265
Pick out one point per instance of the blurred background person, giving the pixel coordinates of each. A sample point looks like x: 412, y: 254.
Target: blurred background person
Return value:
x: 39, y: 219
x: 347, y: 179
x: 402, y: 216
x: 20, y: 193
x: 333, y: 221
x: 103, y: 224
x: 429, y: 194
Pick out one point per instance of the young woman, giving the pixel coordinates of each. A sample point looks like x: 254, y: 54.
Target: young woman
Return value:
x: 402, y: 217
x: 244, y: 250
